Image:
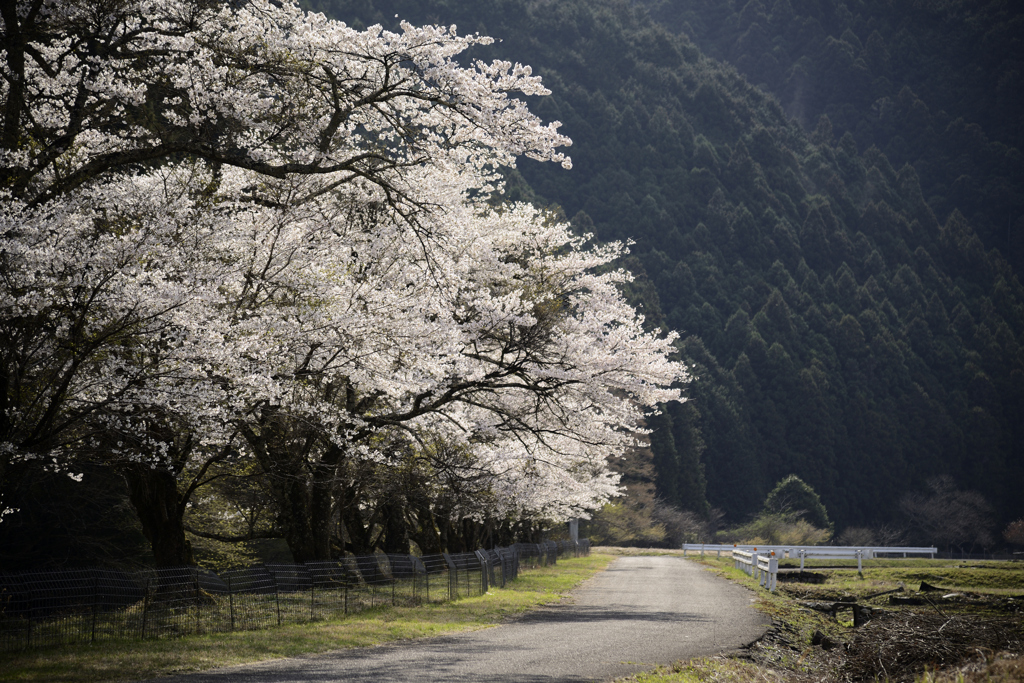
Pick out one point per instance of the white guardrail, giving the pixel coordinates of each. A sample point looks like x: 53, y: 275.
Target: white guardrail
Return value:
x: 792, y: 551
x: 765, y: 568
x: 764, y: 559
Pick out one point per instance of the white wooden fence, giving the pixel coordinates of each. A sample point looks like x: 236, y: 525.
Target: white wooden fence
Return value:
x: 763, y: 560
x: 763, y: 567
x: 867, y: 552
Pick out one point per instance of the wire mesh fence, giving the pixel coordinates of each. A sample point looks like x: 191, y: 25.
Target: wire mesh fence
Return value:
x: 62, y: 607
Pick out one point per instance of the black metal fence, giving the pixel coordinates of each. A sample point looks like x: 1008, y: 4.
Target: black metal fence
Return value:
x: 87, y: 605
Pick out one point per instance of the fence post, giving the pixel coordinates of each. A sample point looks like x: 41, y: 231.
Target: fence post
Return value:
x: 231, y: 604
x: 95, y: 601
x: 198, y: 600
x: 453, y: 578
x: 312, y: 594
x: 145, y: 608
x: 415, y: 564
x: 28, y: 626
x: 484, y: 565
x: 277, y: 596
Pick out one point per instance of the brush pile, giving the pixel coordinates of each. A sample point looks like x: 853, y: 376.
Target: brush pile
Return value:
x: 899, y: 646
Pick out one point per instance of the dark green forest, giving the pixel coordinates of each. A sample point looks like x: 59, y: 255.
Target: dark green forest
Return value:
x: 934, y: 84
x: 826, y: 202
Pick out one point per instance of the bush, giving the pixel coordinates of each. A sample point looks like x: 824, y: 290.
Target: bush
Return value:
x: 1014, y: 532
x: 856, y: 535
x: 622, y: 524
x: 794, y: 496
x: 776, y: 528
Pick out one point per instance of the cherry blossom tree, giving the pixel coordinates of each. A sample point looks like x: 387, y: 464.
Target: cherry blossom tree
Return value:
x: 106, y: 337
x: 495, y: 333
x: 93, y: 87
x: 239, y: 231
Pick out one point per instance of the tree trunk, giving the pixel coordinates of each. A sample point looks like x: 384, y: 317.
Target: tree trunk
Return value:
x: 425, y: 534
x: 303, y: 480
x: 293, y: 498
x: 358, y: 534
x: 321, y: 504
x: 305, y: 498
x: 154, y: 495
x: 396, y: 534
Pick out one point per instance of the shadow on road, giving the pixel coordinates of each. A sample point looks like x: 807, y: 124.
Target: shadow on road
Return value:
x: 596, y: 614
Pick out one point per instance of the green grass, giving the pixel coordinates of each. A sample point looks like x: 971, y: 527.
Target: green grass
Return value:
x: 989, y: 578
x: 134, y: 660
x: 998, y: 578
x: 705, y: 669
x: 217, y: 613
x: 616, y: 550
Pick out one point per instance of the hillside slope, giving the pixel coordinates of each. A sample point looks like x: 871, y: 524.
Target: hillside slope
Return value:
x: 938, y: 85
x: 838, y: 328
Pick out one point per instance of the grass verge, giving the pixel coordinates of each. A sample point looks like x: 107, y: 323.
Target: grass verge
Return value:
x: 135, y: 660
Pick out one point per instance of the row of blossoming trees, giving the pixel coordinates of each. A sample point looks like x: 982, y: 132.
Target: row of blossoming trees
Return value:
x: 240, y: 243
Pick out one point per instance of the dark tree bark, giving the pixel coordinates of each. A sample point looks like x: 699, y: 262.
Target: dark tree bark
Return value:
x: 396, y: 527
x: 155, y: 497
x: 425, y: 533
x: 323, y: 495
x: 359, y: 542
x: 303, y: 477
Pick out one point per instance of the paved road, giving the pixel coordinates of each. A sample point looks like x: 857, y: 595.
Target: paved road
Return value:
x: 640, y: 612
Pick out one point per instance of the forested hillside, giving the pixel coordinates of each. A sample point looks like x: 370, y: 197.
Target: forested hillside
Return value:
x: 839, y: 281
x: 937, y: 85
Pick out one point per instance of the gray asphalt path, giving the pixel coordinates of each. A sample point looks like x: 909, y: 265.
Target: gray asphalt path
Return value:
x: 640, y: 612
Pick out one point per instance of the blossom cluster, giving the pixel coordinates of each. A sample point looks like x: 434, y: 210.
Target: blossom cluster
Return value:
x: 232, y: 228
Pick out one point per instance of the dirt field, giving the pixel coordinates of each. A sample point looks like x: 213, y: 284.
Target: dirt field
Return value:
x: 899, y: 620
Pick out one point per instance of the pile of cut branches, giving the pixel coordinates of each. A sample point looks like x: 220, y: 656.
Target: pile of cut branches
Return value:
x: 896, y: 646
x: 900, y: 645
